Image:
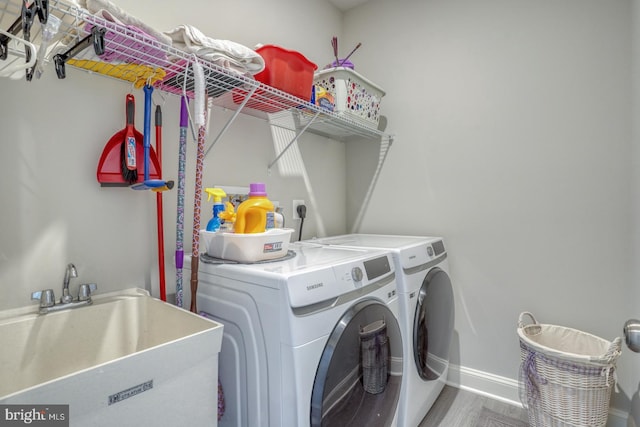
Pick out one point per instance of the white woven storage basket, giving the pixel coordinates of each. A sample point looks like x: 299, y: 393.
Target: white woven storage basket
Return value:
x: 566, y: 375
x: 356, y: 98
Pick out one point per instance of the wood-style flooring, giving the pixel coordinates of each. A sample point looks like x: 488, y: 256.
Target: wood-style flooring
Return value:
x: 459, y: 408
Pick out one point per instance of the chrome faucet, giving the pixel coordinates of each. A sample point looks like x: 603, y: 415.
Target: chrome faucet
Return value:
x: 71, y: 271
x: 48, y: 300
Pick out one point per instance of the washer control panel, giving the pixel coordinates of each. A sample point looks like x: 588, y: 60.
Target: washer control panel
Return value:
x: 356, y: 274
x: 333, y: 281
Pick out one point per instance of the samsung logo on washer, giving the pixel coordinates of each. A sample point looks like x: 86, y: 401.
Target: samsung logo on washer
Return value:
x: 315, y: 286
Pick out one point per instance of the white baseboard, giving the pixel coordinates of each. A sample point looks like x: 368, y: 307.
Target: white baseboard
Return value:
x: 484, y: 383
x: 506, y: 390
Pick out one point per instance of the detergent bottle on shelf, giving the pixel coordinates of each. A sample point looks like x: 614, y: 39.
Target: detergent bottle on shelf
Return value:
x: 251, y: 215
x: 217, y: 194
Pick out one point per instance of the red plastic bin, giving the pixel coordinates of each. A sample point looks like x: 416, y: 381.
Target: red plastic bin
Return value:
x: 286, y: 70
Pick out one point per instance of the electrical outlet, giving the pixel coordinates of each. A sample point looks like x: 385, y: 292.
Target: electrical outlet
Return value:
x: 297, y: 203
x: 235, y: 195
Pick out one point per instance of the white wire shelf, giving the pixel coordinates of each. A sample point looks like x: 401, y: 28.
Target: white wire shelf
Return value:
x: 121, y: 52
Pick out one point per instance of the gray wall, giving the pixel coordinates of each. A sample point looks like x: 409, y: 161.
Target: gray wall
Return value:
x: 513, y: 141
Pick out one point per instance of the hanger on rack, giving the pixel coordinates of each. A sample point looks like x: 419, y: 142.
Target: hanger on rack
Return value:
x: 11, y: 65
x: 95, y: 38
x: 42, y: 9
x: 23, y: 23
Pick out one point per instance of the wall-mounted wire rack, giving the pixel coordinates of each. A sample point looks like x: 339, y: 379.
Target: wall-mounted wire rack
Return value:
x: 138, y: 58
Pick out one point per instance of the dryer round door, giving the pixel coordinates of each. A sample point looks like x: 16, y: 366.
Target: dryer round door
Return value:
x: 433, y: 325
x: 360, y: 370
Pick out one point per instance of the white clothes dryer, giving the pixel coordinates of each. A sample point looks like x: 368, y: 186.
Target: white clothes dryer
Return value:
x: 296, y: 333
x: 426, y: 314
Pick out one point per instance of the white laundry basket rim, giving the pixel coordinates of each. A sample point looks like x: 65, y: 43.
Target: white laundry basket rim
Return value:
x: 568, y: 343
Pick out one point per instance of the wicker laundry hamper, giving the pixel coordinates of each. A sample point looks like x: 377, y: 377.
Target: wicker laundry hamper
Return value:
x: 566, y: 375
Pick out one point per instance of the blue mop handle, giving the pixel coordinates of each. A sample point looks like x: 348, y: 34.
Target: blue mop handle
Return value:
x: 148, y: 90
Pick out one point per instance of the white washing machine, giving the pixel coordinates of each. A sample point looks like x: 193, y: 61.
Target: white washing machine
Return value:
x: 426, y: 314
x: 294, y: 331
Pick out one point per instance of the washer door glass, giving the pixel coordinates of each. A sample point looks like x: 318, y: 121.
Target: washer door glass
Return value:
x: 360, y: 371
x: 433, y: 325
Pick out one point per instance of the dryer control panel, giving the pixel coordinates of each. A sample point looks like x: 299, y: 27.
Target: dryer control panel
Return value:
x: 421, y: 254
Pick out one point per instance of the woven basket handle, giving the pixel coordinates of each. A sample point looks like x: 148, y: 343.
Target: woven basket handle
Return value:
x: 615, y: 349
x: 521, y: 323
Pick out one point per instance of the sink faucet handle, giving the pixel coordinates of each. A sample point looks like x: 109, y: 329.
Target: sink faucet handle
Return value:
x: 46, y: 297
x: 86, y: 289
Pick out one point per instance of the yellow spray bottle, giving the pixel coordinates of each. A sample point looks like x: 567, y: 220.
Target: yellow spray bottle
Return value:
x: 217, y: 194
x: 228, y: 216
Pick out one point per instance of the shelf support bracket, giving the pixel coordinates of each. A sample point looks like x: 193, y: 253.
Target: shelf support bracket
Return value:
x: 231, y: 119
x: 295, y: 138
x: 95, y: 38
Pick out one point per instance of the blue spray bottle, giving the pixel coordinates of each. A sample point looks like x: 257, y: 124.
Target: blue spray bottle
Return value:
x: 217, y: 194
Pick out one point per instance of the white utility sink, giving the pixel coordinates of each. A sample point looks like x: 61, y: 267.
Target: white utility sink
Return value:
x: 120, y: 361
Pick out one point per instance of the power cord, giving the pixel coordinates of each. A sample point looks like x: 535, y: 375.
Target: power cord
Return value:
x: 302, y: 212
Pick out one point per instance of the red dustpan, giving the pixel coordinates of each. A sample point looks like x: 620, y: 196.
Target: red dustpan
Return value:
x: 110, y: 165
